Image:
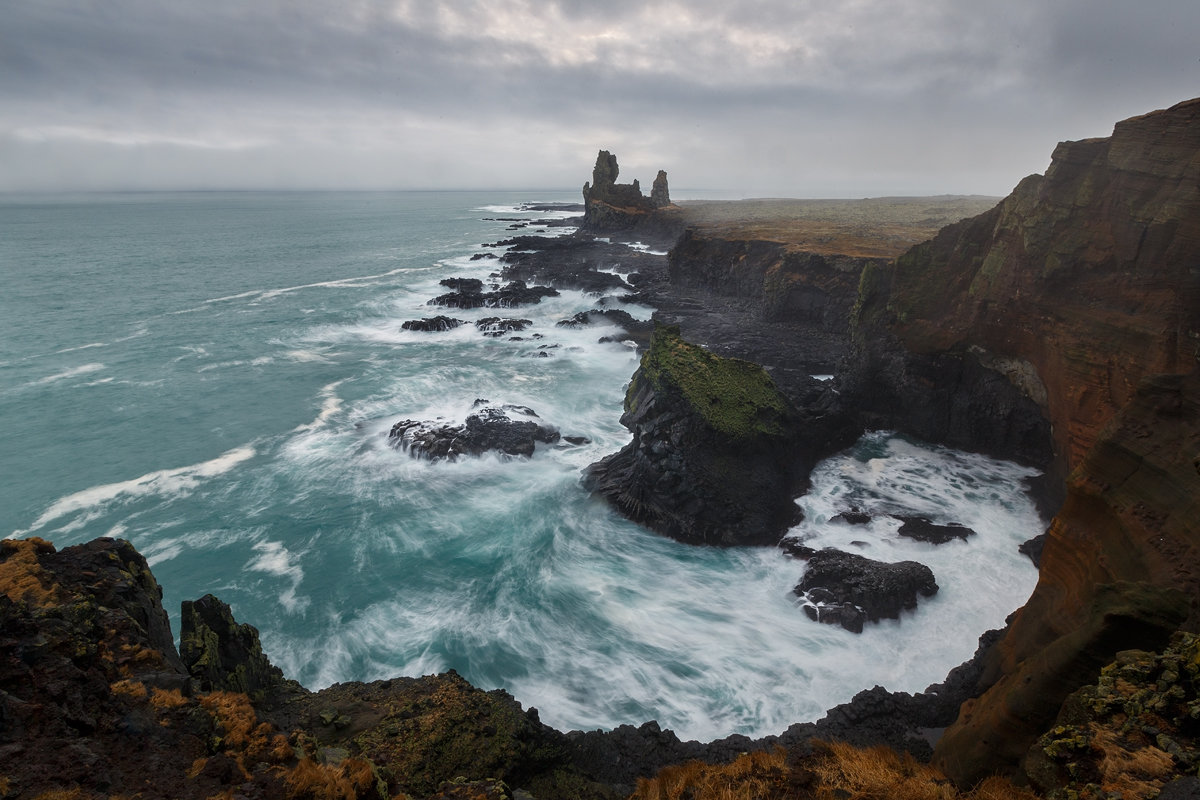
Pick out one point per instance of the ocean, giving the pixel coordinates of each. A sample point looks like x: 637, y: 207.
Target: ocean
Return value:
x: 213, y: 376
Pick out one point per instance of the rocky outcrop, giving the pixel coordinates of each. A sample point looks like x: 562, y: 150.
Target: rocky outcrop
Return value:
x: 1118, y: 571
x: 489, y: 428
x: 660, y: 195
x: 849, y: 590
x: 222, y: 654
x: 711, y: 460
x: 611, y: 207
x: 436, y: 324
x: 1073, y: 289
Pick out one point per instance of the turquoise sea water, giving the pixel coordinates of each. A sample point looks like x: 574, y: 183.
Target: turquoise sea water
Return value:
x: 212, y: 376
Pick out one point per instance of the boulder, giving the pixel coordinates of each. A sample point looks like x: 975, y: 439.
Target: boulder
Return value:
x: 490, y: 428
x: 924, y: 530
x: 848, y: 589
x: 223, y: 655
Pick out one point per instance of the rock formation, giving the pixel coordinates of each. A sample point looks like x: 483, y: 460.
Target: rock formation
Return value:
x: 489, y: 428
x: 610, y: 206
x: 848, y: 589
x: 711, y: 458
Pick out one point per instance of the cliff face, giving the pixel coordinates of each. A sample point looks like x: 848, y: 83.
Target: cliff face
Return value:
x: 788, y: 284
x: 1078, y: 298
x: 1076, y: 286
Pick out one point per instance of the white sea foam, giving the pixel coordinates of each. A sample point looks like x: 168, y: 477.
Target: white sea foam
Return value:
x: 73, y: 372
x: 89, y: 503
x: 275, y: 559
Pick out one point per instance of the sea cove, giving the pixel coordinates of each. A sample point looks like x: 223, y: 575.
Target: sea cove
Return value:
x: 213, y: 377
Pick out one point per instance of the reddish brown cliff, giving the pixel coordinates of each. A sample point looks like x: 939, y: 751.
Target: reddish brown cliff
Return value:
x: 1081, y: 293
x: 1079, y: 284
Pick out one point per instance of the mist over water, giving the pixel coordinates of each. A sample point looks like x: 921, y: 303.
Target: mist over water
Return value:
x: 213, y: 377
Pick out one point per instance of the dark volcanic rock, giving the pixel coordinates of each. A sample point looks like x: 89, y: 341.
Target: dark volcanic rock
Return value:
x: 924, y: 530
x: 848, y: 589
x: 660, y: 195
x: 638, y: 330
x: 711, y: 461
x: 224, y: 655
x: 489, y: 428
x: 854, y: 517
x: 498, y: 326
x: 438, y: 323
x: 515, y: 293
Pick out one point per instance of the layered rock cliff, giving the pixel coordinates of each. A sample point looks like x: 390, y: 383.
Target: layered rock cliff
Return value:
x: 1078, y: 297
x: 611, y: 207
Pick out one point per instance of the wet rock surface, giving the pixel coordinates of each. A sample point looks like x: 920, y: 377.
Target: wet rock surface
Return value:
x: 924, y: 530
x: 506, y: 429
x: 432, y: 324
x: 849, y: 590
x: 468, y: 293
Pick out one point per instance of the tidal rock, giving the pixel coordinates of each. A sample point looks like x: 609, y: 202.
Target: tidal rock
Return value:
x: 499, y: 326
x: 848, y: 589
x: 490, y: 428
x: 853, y: 517
x: 924, y: 530
x: 438, y: 323
x: 638, y: 330
x: 512, y: 294
x: 712, y: 456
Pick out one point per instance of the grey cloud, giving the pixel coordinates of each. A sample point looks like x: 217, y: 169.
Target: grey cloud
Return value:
x: 791, y: 97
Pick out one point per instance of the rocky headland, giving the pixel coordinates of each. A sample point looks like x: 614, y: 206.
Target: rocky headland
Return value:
x: 1059, y: 327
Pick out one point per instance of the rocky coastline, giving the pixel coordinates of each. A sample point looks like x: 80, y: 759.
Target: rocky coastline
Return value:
x: 1058, y: 329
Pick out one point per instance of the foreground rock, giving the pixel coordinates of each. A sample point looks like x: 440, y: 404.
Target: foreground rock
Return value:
x: 849, y: 590
x: 711, y: 459
x: 490, y: 428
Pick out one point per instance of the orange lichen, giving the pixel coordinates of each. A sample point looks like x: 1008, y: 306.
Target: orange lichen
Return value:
x: 21, y: 575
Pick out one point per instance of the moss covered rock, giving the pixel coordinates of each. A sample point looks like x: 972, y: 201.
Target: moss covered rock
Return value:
x: 713, y: 456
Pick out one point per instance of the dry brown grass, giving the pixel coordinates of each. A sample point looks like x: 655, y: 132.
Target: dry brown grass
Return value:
x: 21, y: 575
x: 836, y: 771
x: 753, y: 776
x: 167, y: 699
x: 1136, y: 774
x: 875, y: 227
x: 851, y: 773
x: 350, y: 779
x: 242, y: 735
x: 129, y: 689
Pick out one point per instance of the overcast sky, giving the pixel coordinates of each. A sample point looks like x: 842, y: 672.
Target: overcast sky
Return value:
x: 801, y: 98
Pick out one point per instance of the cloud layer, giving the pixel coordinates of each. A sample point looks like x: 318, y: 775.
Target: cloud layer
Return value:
x: 784, y: 97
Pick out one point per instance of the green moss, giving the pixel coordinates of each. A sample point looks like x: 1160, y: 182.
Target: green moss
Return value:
x: 735, y: 397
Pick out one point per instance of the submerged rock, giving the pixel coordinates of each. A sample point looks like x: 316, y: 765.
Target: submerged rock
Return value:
x: 491, y: 428
x: 848, y: 589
